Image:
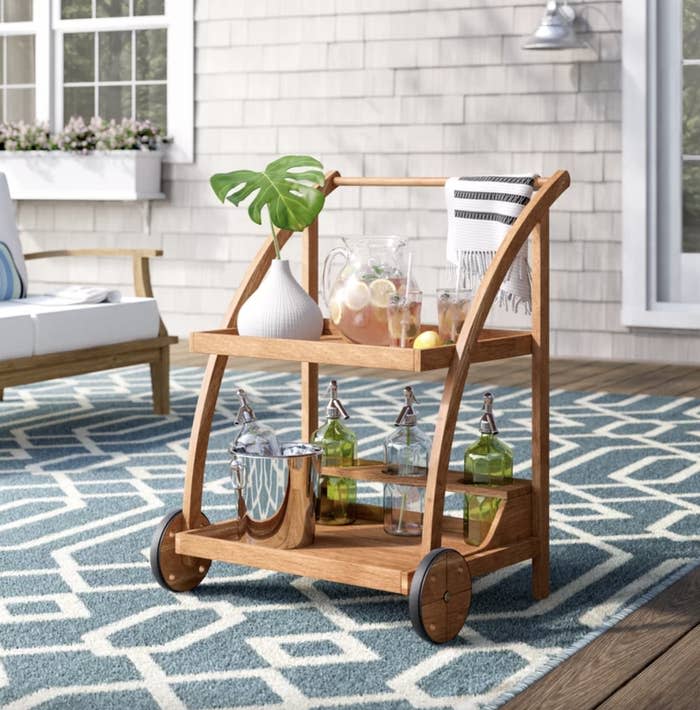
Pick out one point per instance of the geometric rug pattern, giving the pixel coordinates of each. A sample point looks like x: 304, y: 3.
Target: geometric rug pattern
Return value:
x: 87, y: 472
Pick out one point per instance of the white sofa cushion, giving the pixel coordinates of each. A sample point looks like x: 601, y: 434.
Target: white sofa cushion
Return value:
x: 9, y: 234
x: 16, y: 332
x: 61, y: 328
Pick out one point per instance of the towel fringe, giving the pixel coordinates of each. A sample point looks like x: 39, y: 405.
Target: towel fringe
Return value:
x: 476, y: 263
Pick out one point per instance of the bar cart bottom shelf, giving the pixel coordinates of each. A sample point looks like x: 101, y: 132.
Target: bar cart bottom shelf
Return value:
x: 361, y: 554
x: 438, y: 584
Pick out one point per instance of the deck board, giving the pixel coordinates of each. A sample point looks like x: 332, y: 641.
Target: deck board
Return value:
x: 672, y: 675
x: 602, y: 668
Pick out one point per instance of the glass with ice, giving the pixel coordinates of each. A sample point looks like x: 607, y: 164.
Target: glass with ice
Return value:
x: 403, y: 318
x: 452, y: 308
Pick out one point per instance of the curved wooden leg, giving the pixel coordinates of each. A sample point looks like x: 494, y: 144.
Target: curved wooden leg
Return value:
x: 199, y: 439
x: 201, y: 426
x: 540, y: 407
x: 436, y: 483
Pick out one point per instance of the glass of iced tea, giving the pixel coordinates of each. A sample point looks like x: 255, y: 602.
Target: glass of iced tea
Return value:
x: 452, y: 308
x: 403, y: 318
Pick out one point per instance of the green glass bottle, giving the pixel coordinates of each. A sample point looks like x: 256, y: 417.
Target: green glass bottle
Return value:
x: 487, y: 461
x: 337, y: 496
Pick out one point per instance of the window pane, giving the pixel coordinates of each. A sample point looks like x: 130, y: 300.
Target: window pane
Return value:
x: 112, y: 8
x: 149, y: 7
x: 151, y: 103
x: 74, y: 9
x: 78, y: 57
x: 691, y: 110
x: 691, y: 29
x: 115, y: 102
x: 20, y: 59
x: 115, y: 56
x: 151, y: 54
x: 17, y: 11
x: 691, y: 207
x: 20, y: 105
x: 78, y: 101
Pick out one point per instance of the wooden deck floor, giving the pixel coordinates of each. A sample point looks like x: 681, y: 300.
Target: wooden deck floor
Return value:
x: 650, y: 659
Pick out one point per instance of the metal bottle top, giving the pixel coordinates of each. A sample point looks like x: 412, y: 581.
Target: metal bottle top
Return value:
x: 245, y: 412
x: 487, y: 424
x: 335, y: 408
x: 407, y: 416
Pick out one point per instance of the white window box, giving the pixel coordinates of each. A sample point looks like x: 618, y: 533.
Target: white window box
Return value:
x: 101, y: 175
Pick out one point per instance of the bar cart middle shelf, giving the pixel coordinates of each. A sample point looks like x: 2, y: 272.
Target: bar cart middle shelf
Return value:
x: 435, y: 570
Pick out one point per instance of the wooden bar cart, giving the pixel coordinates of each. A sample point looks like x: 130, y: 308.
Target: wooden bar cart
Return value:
x: 435, y: 570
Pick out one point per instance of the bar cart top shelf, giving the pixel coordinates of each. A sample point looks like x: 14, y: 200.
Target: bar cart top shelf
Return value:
x: 332, y: 349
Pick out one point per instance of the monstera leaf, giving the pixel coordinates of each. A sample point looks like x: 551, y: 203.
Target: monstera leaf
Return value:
x: 287, y: 186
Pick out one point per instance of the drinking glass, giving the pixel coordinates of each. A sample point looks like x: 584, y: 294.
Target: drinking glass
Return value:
x: 403, y: 318
x: 452, y: 308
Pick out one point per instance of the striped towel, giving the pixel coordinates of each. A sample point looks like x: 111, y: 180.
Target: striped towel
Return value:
x: 480, y: 211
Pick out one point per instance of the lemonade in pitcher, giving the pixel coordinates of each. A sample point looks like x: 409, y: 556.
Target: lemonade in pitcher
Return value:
x: 358, y: 297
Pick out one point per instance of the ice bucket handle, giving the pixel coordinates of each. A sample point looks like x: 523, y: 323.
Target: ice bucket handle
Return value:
x: 237, y: 475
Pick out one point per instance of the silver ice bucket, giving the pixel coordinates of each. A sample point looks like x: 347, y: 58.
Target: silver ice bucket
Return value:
x: 277, y: 495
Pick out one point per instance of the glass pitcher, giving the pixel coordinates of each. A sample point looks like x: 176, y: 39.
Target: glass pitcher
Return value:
x: 359, y: 280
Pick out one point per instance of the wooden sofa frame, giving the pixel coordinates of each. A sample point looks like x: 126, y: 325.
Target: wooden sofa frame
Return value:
x: 154, y: 351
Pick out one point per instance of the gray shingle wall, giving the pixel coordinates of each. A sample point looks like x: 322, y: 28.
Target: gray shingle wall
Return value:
x: 383, y: 87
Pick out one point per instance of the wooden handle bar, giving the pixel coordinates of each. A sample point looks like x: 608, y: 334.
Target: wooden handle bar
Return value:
x: 406, y: 182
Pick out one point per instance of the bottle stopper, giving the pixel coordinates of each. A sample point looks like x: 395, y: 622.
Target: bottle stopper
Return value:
x: 335, y: 407
x: 245, y: 412
x: 407, y: 416
x: 487, y: 424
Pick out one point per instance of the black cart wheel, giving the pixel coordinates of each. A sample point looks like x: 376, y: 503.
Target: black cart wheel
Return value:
x: 440, y: 595
x: 178, y: 573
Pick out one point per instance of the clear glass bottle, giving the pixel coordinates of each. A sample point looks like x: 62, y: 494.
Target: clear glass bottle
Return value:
x: 337, y: 496
x: 487, y: 461
x: 254, y: 437
x: 406, y: 453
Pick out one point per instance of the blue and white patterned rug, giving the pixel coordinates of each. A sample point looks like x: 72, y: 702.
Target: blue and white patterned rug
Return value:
x: 86, y: 473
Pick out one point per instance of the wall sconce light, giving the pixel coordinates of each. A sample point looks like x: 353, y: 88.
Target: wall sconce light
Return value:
x: 557, y: 29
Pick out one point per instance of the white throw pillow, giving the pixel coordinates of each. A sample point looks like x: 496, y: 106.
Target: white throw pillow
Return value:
x: 9, y: 235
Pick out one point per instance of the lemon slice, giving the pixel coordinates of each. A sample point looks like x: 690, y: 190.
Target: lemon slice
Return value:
x: 357, y: 295
x: 381, y: 291
x: 336, y: 312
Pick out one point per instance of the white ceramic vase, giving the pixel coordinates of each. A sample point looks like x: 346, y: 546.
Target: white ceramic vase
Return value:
x: 280, y: 308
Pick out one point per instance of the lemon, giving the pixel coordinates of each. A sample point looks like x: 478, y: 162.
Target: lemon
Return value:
x: 357, y: 295
x: 336, y: 312
x: 427, y: 339
x: 381, y: 291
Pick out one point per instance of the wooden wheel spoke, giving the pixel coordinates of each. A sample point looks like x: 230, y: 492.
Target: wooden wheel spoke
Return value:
x: 457, y: 575
x: 435, y: 582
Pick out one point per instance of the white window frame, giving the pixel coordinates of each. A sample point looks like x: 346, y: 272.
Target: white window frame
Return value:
x: 48, y: 28
x: 641, y: 176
